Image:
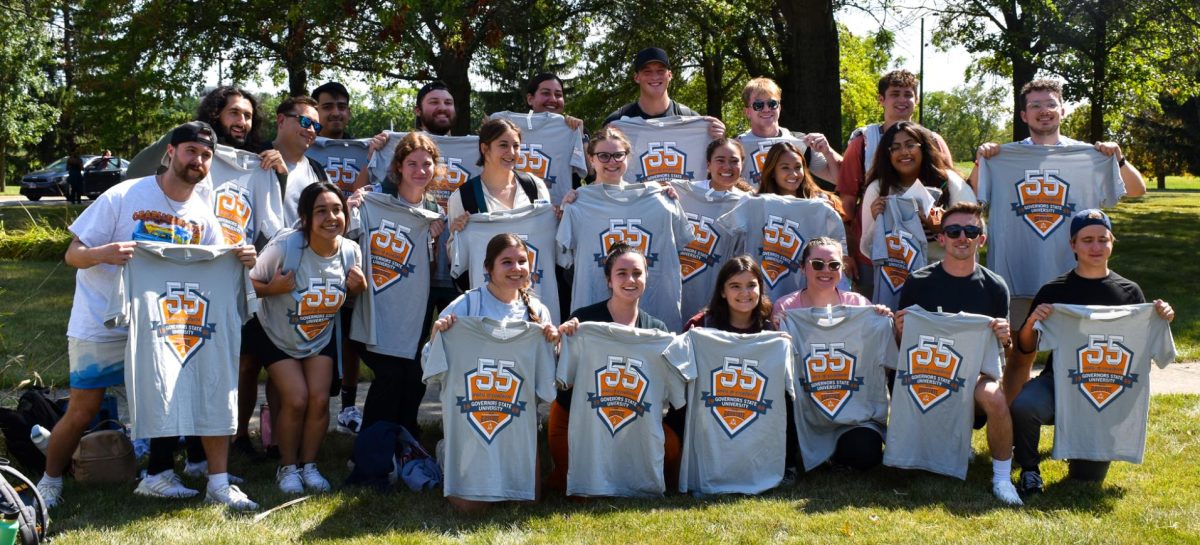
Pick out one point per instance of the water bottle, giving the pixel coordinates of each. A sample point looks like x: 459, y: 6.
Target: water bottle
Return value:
x: 264, y: 425
x: 40, y: 437
x: 10, y: 528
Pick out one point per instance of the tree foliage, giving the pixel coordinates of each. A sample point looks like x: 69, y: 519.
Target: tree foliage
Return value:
x: 965, y: 116
x: 25, y: 52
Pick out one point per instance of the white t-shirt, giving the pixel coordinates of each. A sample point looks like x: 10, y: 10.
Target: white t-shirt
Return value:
x: 455, y: 206
x: 300, y: 176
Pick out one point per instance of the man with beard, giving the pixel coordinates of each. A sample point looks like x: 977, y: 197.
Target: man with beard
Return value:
x: 435, y: 109
x: 333, y: 106
x: 164, y: 208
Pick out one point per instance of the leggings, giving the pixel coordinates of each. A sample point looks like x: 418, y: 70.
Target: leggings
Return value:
x: 162, y: 453
x: 395, y: 394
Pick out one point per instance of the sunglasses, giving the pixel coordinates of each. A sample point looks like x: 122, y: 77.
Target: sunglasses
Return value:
x: 758, y: 105
x: 305, y: 122
x: 819, y: 265
x: 972, y: 231
x: 605, y: 157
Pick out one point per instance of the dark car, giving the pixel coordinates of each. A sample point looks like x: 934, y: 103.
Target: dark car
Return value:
x: 103, y: 173
x: 99, y: 174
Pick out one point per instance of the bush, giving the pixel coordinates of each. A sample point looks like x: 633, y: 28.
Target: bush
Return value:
x: 39, y: 240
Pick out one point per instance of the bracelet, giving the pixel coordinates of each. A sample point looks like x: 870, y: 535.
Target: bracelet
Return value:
x: 1121, y: 162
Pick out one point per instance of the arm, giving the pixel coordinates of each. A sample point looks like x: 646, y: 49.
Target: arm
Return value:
x: 279, y: 283
x: 1027, y: 338
x: 113, y: 253
x: 833, y: 160
x: 851, y: 177
x: 1135, y: 185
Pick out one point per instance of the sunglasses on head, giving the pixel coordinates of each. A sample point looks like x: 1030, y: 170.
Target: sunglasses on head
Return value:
x: 819, y: 265
x: 758, y: 105
x: 305, y: 122
x: 972, y: 231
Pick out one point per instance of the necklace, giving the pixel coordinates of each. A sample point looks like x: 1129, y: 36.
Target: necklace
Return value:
x: 175, y: 211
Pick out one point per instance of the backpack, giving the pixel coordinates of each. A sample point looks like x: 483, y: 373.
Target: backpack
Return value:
x: 474, y: 202
x: 34, y: 407
x: 24, y: 501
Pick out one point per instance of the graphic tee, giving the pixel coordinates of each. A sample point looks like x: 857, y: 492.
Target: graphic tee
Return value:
x: 1102, y: 377
x: 394, y: 238
x: 701, y: 259
x: 343, y: 159
x: 933, y: 397
x: 535, y: 224
x: 640, y: 215
x: 550, y: 150
x: 184, y: 306
x: 757, y: 148
x: 1032, y: 191
x: 620, y: 377
x: 841, y: 358
x: 300, y: 176
x: 898, y: 248
x: 247, y: 199
x: 734, y: 441
x: 787, y: 224
x: 492, y: 375
x: 666, y: 148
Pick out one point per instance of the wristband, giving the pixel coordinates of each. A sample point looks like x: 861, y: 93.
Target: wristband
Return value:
x: 1121, y: 162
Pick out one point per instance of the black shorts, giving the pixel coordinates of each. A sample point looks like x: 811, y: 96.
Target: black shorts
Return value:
x: 255, y: 342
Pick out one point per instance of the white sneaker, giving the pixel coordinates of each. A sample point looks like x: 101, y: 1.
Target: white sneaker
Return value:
x: 200, y: 469
x: 313, y: 480
x: 288, y: 479
x: 164, y: 485
x: 1006, y: 492
x: 232, y: 497
x: 349, y: 420
x: 51, y: 492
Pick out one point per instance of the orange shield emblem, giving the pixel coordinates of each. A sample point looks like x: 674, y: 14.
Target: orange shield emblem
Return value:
x: 699, y: 255
x: 342, y: 171
x: 901, y: 253
x: 533, y: 161
x: 829, y: 377
x: 390, y: 250
x: 231, y: 204
x: 1102, y: 371
x: 738, y: 395
x: 316, y: 307
x: 781, y: 246
x: 663, y: 161
x: 451, y: 177
x: 629, y: 231
x: 1042, y: 201
x: 493, y: 389
x: 932, y: 374
x: 184, y: 326
x: 620, y: 396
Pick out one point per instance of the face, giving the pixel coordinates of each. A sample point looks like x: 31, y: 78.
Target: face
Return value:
x: 612, y: 171
x: 547, y: 98
x: 328, y: 219
x: 742, y: 292
x: 725, y: 167
x: 510, y: 269
x: 190, y: 161
x: 290, y: 131
x: 825, y: 279
x: 789, y: 173
x: 1093, y: 245
x: 961, y: 248
x: 417, y: 169
x: 335, y: 113
x: 766, y: 118
x: 653, y: 79
x: 503, y: 151
x: 628, y: 277
x: 898, y: 103
x: 436, y: 112
x: 1044, y: 112
x: 906, y: 154
x: 236, y: 120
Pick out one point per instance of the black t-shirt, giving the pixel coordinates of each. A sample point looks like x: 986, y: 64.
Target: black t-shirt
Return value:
x: 1073, y: 289
x: 634, y: 110
x: 599, y: 313
x: 982, y: 292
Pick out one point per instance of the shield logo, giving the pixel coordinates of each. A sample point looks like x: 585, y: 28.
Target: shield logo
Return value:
x: 452, y: 176
x: 390, y: 251
x: 532, y: 160
x: 535, y: 270
x: 317, y: 306
x: 493, y: 389
x: 1042, y: 201
x: 759, y: 160
x: 663, y: 161
x: 342, y: 172
x: 1102, y: 369
x: 620, y: 396
x: 184, y: 326
x: 931, y: 376
x: 698, y: 256
x: 902, y: 251
x: 629, y: 231
x: 738, y: 395
x: 781, y: 249
x: 231, y: 204
x: 829, y: 377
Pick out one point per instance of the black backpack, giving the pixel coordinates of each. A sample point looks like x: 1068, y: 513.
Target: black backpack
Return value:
x: 23, y: 502
x: 34, y: 407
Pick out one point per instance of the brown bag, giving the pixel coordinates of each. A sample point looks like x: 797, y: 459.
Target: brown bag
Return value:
x: 104, y: 457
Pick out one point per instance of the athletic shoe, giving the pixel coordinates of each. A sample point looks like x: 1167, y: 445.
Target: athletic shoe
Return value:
x: 164, y: 485
x: 243, y: 447
x: 789, y: 477
x: 51, y: 492
x: 349, y: 420
x: 200, y: 469
x: 1031, y: 483
x: 288, y: 479
x: 313, y: 480
x: 232, y: 497
x: 1006, y: 492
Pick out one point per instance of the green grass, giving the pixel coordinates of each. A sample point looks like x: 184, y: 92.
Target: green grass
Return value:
x: 1156, y: 502
x: 35, y: 302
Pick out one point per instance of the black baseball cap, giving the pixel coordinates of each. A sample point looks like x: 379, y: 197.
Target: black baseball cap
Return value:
x: 649, y: 55
x: 334, y: 88
x: 194, y: 131
x: 1091, y: 216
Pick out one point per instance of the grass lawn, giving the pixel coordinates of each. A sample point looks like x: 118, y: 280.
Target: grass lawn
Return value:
x: 35, y: 302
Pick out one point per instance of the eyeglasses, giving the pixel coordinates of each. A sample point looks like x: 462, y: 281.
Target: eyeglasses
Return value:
x: 758, y: 105
x: 912, y: 145
x: 972, y: 231
x: 819, y: 265
x: 305, y: 122
x: 605, y: 157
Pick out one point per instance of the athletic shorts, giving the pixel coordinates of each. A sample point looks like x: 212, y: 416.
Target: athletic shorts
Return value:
x: 256, y: 342
x: 96, y: 364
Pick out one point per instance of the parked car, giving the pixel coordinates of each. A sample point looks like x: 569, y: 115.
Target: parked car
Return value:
x: 99, y: 174
x: 103, y: 173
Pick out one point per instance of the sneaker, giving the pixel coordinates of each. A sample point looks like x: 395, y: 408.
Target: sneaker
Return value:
x: 789, y: 477
x: 232, y: 497
x: 1031, y: 483
x: 313, y: 480
x: 51, y: 492
x: 164, y: 485
x: 200, y: 469
x: 1006, y: 492
x: 288, y: 479
x: 243, y: 447
x: 349, y: 420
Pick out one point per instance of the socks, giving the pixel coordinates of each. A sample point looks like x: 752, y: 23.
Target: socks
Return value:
x: 308, y: 466
x: 349, y: 393
x: 1002, y: 470
x: 51, y: 480
x: 217, y: 481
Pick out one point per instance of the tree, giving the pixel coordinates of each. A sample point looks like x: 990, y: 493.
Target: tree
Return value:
x: 966, y: 116
x: 863, y: 61
x: 25, y: 50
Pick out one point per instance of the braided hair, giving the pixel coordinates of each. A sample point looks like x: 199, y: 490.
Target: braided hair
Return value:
x: 495, y: 246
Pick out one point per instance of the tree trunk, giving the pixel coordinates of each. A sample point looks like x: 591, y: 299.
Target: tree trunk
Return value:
x: 1099, y: 98
x: 455, y: 72
x: 3, y: 163
x: 1162, y: 181
x: 67, y: 117
x: 296, y: 58
x: 809, y: 51
x: 1023, y: 72
x: 713, y: 63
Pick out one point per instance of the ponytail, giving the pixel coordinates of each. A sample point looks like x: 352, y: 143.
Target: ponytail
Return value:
x: 525, y: 299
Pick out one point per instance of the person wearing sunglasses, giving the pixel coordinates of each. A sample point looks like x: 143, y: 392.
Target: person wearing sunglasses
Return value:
x: 959, y: 284
x: 296, y: 129
x: 763, y: 103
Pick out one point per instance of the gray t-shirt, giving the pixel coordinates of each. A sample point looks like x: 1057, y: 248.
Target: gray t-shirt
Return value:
x: 933, y: 398
x: 185, y: 306
x: 396, y: 247
x: 898, y: 248
x: 550, y: 150
x: 666, y: 148
x: 734, y: 441
x: 1032, y: 192
x: 247, y: 199
x: 492, y: 374
x: 640, y: 215
x: 841, y: 382
x: 758, y: 147
x: 481, y: 302
x: 342, y: 159
x: 628, y: 385
x: 535, y: 224
x: 1102, y: 359
x: 701, y: 259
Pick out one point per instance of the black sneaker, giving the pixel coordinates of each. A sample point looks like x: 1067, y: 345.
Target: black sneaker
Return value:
x: 245, y: 448
x: 1030, y: 483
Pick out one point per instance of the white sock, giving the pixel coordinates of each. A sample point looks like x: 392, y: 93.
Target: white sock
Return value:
x: 1002, y: 470
x: 217, y: 481
x: 51, y: 480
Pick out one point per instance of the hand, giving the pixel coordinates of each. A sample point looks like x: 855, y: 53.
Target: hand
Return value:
x: 899, y: 319
x: 669, y: 190
x: 849, y: 267
x: 716, y: 129
x: 569, y: 327
x: 1164, y: 310
x: 436, y: 228
x: 883, y: 311
x: 247, y: 255
x: 271, y: 159
x: 1042, y: 312
x: 377, y: 143
x: 550, y: 332
x: 281, y: 282
x: 987, y: 150
x: 443, y: 323
x: 1111, y: 149
x: 877, y: 207
x: 459, y: 223
x: 573, y: 122
x: 114, y: 253
x: 817, y: 142
x: 356, y: 282
x: 1001, y: 328
x: 569, y: 197
x: 356, y: 198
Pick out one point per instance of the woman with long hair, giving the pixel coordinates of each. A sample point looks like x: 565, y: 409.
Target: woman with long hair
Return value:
x: 785, y: 172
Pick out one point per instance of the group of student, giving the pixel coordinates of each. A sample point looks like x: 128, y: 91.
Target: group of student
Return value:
x: 734, y: 275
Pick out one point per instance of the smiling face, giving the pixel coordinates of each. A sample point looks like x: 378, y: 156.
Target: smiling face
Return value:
x: 725, y: 167
x: 510, y: 269
x: 291, y: 134
x: 236, y: 120
x: 961, y: 248
x: 335, y: 114
x: 190, y: 161
x: 906, y: 155
x: 547, y: 98
x: 613, y: 171
x: 416, y: 170
x: 766, y: 120
x: 1044, y: 112
x: 627, y: 279
x: 653, y: 79
x: 503, y: 151
x: 742, y: 292
x: 898, y: 103
x: 825, y: 279
x: 328, y: 219
x: 1093, y: 246
x: 789, y: 173
x: 436, y: 112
